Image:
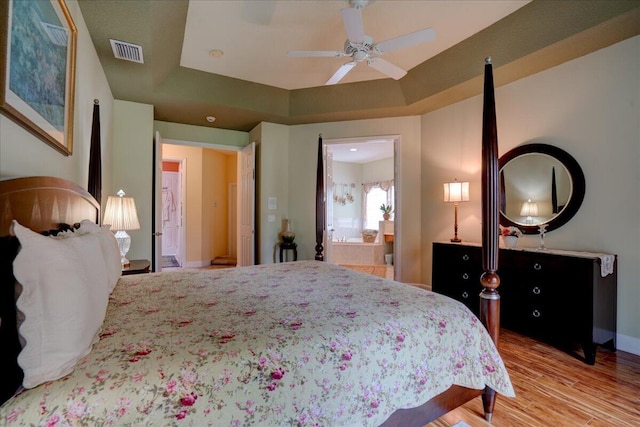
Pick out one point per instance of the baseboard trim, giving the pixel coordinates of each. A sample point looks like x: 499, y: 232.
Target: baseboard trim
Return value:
x: 628, y: 344
x: 197, y: 264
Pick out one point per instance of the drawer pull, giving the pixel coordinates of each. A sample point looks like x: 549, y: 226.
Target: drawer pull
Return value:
x: 537, y: 266
x: 465, y: 276
x: 465, y: 295
x: 465, y: 257
x: 536, y: 313
x: 537, y: 290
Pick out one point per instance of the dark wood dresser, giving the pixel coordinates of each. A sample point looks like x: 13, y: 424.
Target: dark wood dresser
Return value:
x: 562, y: 297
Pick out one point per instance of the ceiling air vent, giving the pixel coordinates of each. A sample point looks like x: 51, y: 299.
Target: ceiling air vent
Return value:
x: 127, y: 51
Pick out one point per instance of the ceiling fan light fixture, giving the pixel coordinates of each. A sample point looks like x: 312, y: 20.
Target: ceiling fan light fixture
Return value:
x: 361, y: 47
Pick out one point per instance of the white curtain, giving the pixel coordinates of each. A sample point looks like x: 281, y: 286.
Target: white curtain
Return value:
x: 386, y: 186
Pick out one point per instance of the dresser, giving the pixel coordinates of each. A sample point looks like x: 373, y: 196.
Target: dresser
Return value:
x: 566, y: 298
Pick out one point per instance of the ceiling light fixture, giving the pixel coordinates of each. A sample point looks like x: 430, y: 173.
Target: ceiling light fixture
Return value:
x: 353, y: 149
x: 211, y: 119
x: 216, y: 53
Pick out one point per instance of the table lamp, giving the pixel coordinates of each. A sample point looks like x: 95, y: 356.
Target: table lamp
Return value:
x: 529, y: 209
x: 455, y: 192
x: 121, y: 215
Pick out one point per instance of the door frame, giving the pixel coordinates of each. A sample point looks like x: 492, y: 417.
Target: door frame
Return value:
x: 219, y: 147
x: 397, y: 210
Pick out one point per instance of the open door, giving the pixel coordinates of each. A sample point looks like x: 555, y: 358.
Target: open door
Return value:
x: 246, y: 205
x: 328, y: 203
x: 157, y: 203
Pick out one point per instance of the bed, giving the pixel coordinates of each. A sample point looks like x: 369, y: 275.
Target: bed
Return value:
x: 299, y: 343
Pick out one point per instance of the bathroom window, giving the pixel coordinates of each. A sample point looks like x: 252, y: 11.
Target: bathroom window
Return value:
x: 375, y: 194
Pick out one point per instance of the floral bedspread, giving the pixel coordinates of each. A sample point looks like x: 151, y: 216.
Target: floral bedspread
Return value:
x: 295, y: 344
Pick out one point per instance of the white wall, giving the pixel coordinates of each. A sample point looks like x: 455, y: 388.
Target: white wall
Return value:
x: 589, y: 107
x: 22, y: 154
x: 347, y: 218
x: 133, y: 168
x: 272, y: 181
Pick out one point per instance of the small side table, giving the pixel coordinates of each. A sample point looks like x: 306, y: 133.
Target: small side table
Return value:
x: 137, y: 266
x: 288, y: 246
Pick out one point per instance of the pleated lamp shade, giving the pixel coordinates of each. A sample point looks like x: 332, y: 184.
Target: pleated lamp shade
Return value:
x: 121, y: 213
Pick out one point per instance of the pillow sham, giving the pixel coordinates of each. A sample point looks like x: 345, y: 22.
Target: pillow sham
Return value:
x: 64, y: 297
x: 108, y: 244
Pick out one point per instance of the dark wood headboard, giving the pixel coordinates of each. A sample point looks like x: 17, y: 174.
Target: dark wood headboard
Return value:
x: 42, y: 203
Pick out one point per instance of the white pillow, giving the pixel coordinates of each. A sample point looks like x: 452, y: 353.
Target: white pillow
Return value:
x: 110, y: 250
x: 64, y: 299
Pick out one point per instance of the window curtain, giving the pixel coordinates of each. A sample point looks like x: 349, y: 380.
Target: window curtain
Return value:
x: 367, y: 187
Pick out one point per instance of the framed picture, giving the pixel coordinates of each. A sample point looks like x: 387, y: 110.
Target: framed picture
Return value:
x: 37, y: 68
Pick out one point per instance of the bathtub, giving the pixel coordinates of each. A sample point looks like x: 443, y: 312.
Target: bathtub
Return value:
x: 350, y: 240
x: 355, y: 252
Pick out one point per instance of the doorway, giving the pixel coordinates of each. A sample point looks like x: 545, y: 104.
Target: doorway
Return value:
x: 357, y: 169
x: 209, y: 227
x: 172, y: 214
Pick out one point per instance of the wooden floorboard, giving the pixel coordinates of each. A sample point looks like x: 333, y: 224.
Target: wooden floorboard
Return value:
x: 554, y: 388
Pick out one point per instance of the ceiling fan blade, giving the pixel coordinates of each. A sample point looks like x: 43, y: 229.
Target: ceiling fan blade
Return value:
x: 411, y: 39
x: 314, y: 53
x: 387, y: 68
x: 352, y: 18
x: 342, y: 71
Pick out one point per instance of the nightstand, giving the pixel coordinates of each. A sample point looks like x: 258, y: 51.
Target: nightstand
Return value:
x: 137, y: 266
x: 288, y: 246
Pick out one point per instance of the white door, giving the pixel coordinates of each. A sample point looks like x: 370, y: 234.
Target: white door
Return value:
x: 328, y: 203
x: 233, y: 220
x: 171, y: 212
x: 246, y: 205
x: 157, y: 232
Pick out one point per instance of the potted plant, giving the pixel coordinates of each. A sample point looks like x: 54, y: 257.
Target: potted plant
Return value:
x: 386, y: 211
x: 510, y: 235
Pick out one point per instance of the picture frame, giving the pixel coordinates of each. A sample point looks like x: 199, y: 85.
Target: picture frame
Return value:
x: 37, y: 69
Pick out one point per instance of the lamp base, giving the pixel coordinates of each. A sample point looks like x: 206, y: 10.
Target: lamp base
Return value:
x: 124, y: 243
x: 456, y: 240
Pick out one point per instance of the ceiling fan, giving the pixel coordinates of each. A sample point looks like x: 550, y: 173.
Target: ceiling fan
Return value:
x: 360, y: 47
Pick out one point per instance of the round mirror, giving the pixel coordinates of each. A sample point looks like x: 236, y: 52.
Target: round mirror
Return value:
x: 539, y: 184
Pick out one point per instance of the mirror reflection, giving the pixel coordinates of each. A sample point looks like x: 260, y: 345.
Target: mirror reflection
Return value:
x: 536, y: 188
x: 539, y: 184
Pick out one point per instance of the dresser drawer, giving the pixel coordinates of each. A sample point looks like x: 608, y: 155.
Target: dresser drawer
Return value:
x: 456, y: 273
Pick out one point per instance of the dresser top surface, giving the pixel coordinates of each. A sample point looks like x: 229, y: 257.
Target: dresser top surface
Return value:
x: 581, y: 254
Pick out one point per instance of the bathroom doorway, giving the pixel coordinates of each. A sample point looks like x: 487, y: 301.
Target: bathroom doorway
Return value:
x: 359, y: 174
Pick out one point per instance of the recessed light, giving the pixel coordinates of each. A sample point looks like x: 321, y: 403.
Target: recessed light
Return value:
x: 353, y: 149
x: 211, y: 119
x: 216, y: 53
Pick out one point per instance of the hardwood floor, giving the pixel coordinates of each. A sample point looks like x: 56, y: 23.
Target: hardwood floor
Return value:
x: 556, y: 389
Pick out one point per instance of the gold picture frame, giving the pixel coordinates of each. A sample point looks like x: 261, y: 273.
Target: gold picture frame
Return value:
x: 37, y: 69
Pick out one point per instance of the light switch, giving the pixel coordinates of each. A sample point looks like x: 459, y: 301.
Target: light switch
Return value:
x: 272, y: 203
x: 271, y: 218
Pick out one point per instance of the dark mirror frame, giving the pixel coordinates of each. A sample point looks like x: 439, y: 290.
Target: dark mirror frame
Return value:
x: 577, y: 185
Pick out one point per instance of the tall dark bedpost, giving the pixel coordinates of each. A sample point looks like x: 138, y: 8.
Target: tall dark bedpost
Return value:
x: 489, y: 298
x: 319, y: 203
x: 94, y: 185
